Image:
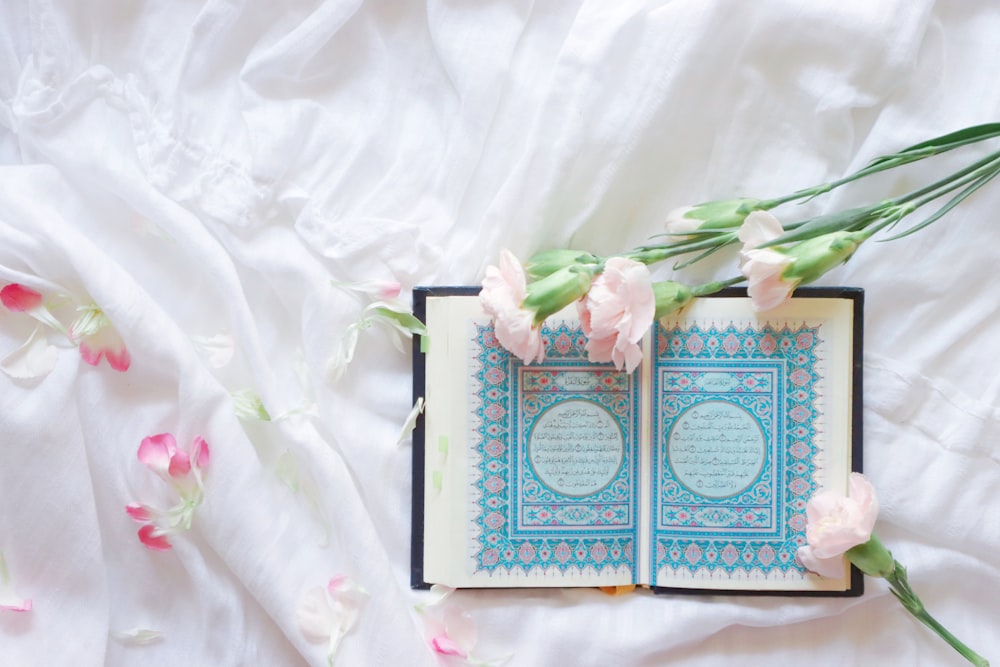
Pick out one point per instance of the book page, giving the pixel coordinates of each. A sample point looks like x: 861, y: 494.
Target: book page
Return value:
x: 531, y: 470
x: 751, y: 416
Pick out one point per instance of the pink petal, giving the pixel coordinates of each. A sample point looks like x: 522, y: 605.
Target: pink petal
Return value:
x: 826, y: 567
x: 119, y: 360
x: 23, y: 605
x: 199, y: 452
x: 150, y: 536
x: 108, y: 344
x: 91, y: 355
x: 18, y: 298
x: 445, y: 646
x: 180, y: 465
x: 138, y: 512
x: 156, y: 452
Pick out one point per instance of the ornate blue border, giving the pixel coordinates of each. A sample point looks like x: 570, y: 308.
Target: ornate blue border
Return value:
x: 759, y: 529
x: 518, y: 523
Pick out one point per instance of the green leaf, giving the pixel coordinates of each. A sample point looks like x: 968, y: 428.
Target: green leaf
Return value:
x: 406, y: 322
x: 952, y: 203
x: 826, y: 224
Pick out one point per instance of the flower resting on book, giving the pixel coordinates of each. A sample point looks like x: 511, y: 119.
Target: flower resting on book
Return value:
x: 840, y: 526
x: 775, y: 258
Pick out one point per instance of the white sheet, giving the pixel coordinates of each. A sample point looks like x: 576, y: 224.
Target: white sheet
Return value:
x: 198, y: 168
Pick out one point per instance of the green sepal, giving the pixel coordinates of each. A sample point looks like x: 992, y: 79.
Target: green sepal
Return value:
x: 554, y: 292
x: 545, y: 263
x: 872, y: 558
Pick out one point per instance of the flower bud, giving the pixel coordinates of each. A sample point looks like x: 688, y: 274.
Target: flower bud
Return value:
x: 711, y: 215
x: 872, y: 558
x: 547, y: 262
x: 814, y: 257
x: 670, y: 297
x: 556, y: 291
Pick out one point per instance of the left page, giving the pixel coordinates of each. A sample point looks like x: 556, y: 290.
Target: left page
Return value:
x: 531, y: 472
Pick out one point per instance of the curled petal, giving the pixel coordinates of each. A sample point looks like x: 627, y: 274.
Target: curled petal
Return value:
x: 108, y: 344
x: 153, y: 539
x: 139, y: 512
x: 34, y: 359
x: 156, y: 451
x: 180, y: 464
x: 315, y: 617
x: 444, y: 645
x: 199, y: 452
x: 18, y: 298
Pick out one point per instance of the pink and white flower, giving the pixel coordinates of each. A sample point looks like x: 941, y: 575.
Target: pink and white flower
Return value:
x: 617, y: 312
x: 182, y: 470
x: 327, y: 614
x: 502, y: 296
x: 763, y: 267
x: 98, y: 339
x: 836, y: 524
x: 449, y: 629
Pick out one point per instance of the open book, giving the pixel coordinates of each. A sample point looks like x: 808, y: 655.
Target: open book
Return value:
x: 691, y: 473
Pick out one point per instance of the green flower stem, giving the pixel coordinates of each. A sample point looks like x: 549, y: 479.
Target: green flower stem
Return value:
x: 900, y: 587
x: 915, y: 153
x: 712, y: 288
x: 945, y: 185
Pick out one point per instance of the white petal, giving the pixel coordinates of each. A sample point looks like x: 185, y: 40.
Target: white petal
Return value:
x: 35, y: 359
x: 138, y: 636
x: 411, y: 421
x: 218, y: 349
x: 316, y: 619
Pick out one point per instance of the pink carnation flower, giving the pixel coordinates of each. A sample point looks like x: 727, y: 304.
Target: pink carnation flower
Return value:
x: 504, y: 290
x: 763, y: 267
x: 836, y: 524
x: 617, y: 312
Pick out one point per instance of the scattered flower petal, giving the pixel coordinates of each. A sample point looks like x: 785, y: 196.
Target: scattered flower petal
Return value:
x: 153, y: 538
x: 19, y: 299
x: 138, y: 636
x: 449, y: 630
x: 218, y: 349
x: 98, y: 339
x: 35, y: 359
x: 411, y: 421
x: 381, y: 290
x: 249, y: 405
x: 328, y: 614
x: 182, y: 470
x: 9, y: 600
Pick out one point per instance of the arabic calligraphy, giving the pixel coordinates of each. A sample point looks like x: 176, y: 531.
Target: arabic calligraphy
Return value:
x: 716, y: 449
x: 576, y: 448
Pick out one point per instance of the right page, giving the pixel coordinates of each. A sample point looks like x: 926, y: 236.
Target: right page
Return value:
x: 751, y: 414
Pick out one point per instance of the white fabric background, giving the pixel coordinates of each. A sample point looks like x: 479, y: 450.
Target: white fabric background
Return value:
x: 200, y: 167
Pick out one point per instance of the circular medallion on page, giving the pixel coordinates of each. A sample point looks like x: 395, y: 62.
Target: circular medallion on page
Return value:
x: 576, y: 448
x: 716, y: 449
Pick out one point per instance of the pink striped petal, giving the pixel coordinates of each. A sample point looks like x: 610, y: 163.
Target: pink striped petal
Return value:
x: 108, y: 344
x: 139, y: 512
x: 180, y: 465
x: 18, y: 298
x: 150, y: 536
x: 199, y: 452
x: 156, y: 451
x: 445, y: 646
x: 119, y: 359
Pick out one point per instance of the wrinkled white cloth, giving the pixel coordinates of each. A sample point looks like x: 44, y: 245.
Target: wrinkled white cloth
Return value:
x: 207, y: 168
